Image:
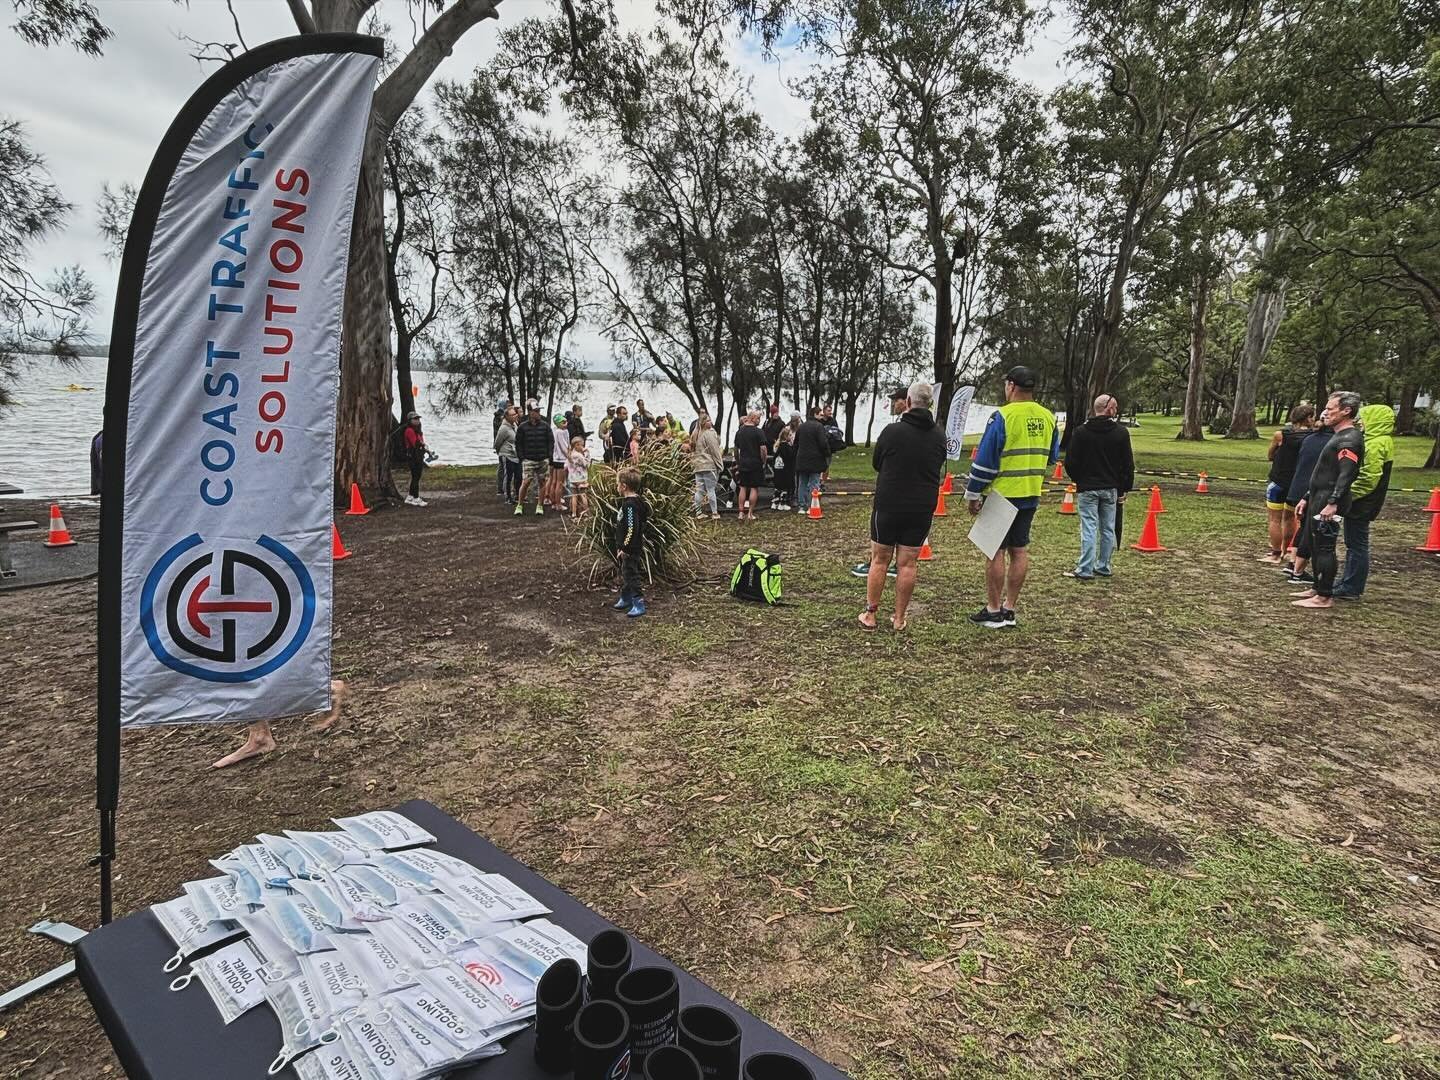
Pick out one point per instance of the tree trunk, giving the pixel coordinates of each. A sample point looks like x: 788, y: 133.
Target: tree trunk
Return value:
x: 1192, y: 426
x: 1405, y: 416
x: 1261, y: 323
x: 363, y: 409
x: 1433, y: 461
x: 944, y: 341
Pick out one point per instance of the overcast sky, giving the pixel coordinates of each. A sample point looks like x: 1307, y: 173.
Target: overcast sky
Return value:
x: 98, y: 120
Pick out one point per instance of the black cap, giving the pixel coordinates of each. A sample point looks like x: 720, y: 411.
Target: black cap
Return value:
x: 899, y: 393
x: 1021, y: 376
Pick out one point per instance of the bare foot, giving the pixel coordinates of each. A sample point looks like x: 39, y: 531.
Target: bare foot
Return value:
x: 1319, y: 602
x: 899, y: 623
x: 255, y: 745
x: 1305, y: 595
x: 338, y: 690
x: 866, y: 619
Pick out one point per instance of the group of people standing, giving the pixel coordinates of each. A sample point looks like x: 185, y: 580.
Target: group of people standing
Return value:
x: 1328, y: 478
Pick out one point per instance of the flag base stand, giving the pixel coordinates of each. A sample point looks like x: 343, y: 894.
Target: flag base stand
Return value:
x: 61, y: 932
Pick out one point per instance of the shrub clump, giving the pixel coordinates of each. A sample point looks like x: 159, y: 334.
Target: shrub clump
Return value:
x: 671, y: 550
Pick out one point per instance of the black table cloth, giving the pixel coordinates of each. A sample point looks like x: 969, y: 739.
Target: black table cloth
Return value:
x: 160, y: 1035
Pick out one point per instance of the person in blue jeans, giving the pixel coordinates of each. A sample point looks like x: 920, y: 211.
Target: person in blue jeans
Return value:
x: 1377, y: 422
x: 1101, y: 464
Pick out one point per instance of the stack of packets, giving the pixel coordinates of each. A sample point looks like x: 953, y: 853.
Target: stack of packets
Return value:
x: 382, y: 960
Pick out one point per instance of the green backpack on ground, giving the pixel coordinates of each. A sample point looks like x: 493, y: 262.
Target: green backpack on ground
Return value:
x: 757, y: 577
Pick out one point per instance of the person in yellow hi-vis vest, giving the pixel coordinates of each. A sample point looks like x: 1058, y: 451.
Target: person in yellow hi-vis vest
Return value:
x: 1019, y: 447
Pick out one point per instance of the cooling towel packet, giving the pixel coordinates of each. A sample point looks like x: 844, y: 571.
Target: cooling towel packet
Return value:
x: 378, y: 964
x: 280, y: 961
x: 511, y: 962
x: 453, y: 1017
x: 384, y: 830
x: 189, y: 930
x: 298, y: 924
x: 268, y: 867
x: 414, y: 949
x: 332, y: 1062
x: 494, y: 896
x: 248, y: 887
x: 380, y: 1047
x: 469, y: 998
x: 330, y: 850
x: 445, y: 926
x: 304, y: 1020
x: 290, y: 854
x: 323, y: 899
x: 231, y: 976
x: 215, y: 898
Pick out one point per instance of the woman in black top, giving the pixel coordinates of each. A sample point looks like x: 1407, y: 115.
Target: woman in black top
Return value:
x: 1284, y: 453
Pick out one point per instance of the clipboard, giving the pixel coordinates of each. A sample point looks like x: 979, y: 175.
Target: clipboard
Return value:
x: 996, y: 516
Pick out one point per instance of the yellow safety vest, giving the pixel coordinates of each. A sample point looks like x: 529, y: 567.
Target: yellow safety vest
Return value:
x: 1029, y: 433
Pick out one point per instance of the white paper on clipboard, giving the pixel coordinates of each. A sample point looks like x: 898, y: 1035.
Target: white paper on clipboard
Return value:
x: 992, y: 523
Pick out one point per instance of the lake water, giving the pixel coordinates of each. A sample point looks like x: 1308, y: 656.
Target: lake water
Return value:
x: 45, y: 438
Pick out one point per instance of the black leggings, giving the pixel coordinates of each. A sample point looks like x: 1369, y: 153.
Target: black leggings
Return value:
x: 416, y: 468
x: 1323, y: 560
x: 510, y: 478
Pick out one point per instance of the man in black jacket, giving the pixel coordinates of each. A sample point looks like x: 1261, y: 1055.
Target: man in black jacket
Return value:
x: 533, y: 442
x: 1102, y: 467
x: 909, y: 457
x: 812, y: 459
x: 574, y: 425
x: 771, y: 430
x: 1328, y: 500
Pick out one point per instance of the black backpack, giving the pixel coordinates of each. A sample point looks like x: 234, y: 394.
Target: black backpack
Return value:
x: 757, y: 577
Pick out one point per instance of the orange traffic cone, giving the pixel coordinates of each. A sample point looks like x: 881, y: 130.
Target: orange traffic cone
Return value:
x: 815, y: 512
x: 414, y: 391
x: 1156, y: 506
x: 925, y: 553
x: 337, y: 546
x: 59, y: 534
x: 974, y: 451
x: 1059, y: 473
x: 947, y: 487
x: 1067, y: 504
x: 1150, y: 535
x: 1432, y: 542
x: 1203, y: 487
x: 940, y: 503
x: 1433, y: 506
x: 357, y: 502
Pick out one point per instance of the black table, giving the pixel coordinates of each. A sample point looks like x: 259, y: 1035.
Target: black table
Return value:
x: 159, y: 1035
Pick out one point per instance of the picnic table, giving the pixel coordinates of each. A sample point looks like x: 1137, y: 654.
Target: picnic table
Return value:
x: 159, y: 1035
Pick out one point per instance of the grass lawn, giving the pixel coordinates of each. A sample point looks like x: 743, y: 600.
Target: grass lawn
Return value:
x: 1171, y: 826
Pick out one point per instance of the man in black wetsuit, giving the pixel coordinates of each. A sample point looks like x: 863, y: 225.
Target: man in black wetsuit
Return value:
x: 1328, y: 498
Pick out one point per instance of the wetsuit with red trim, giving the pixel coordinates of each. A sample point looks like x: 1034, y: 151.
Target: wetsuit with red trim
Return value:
x: 1335, y: 471
x: 415, y: 448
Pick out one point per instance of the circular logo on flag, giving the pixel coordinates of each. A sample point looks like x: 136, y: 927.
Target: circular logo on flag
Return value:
x: 227, y: 614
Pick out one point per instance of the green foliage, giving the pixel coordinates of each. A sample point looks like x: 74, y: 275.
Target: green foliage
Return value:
x: 671, y: 540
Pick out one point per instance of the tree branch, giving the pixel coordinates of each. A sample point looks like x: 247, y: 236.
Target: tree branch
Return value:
x: 399, y: 89
x: 304, y: 21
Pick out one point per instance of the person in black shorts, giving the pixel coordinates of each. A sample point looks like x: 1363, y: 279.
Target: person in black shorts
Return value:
x: 749, y: 465
x: 909, y: 457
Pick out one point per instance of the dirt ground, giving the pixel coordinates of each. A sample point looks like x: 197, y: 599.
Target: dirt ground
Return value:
x: 488, y: 677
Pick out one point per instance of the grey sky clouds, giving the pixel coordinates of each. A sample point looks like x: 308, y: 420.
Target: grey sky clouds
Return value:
x: 98, y: 120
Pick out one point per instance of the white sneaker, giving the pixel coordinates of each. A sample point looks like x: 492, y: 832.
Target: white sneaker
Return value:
x: 421, y: 502
x: 409, y: 500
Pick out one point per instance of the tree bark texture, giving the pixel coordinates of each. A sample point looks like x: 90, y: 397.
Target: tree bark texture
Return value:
x: 1262, y: 321
x: 1192, y: 424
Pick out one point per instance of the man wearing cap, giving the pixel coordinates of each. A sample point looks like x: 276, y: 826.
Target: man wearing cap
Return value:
x: 415, y: 449
x: 898, y: 397
x: 1015, y: 453
x: 533, y: 443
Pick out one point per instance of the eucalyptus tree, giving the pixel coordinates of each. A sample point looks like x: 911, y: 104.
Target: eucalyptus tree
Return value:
x: 521, y: 213
x: 923, y: 89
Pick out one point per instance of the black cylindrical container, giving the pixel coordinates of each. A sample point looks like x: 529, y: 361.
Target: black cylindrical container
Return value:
x: 672, y: 1063
x: 776, y: 1067
x: 650, y: 997
x: 557, y: 1000
x: 602, y: 1042
x: 607, y: 960
x: 714, y: 1038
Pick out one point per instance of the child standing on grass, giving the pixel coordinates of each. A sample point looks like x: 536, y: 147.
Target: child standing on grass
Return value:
x: 630, y: 543
x: 577, y: 469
